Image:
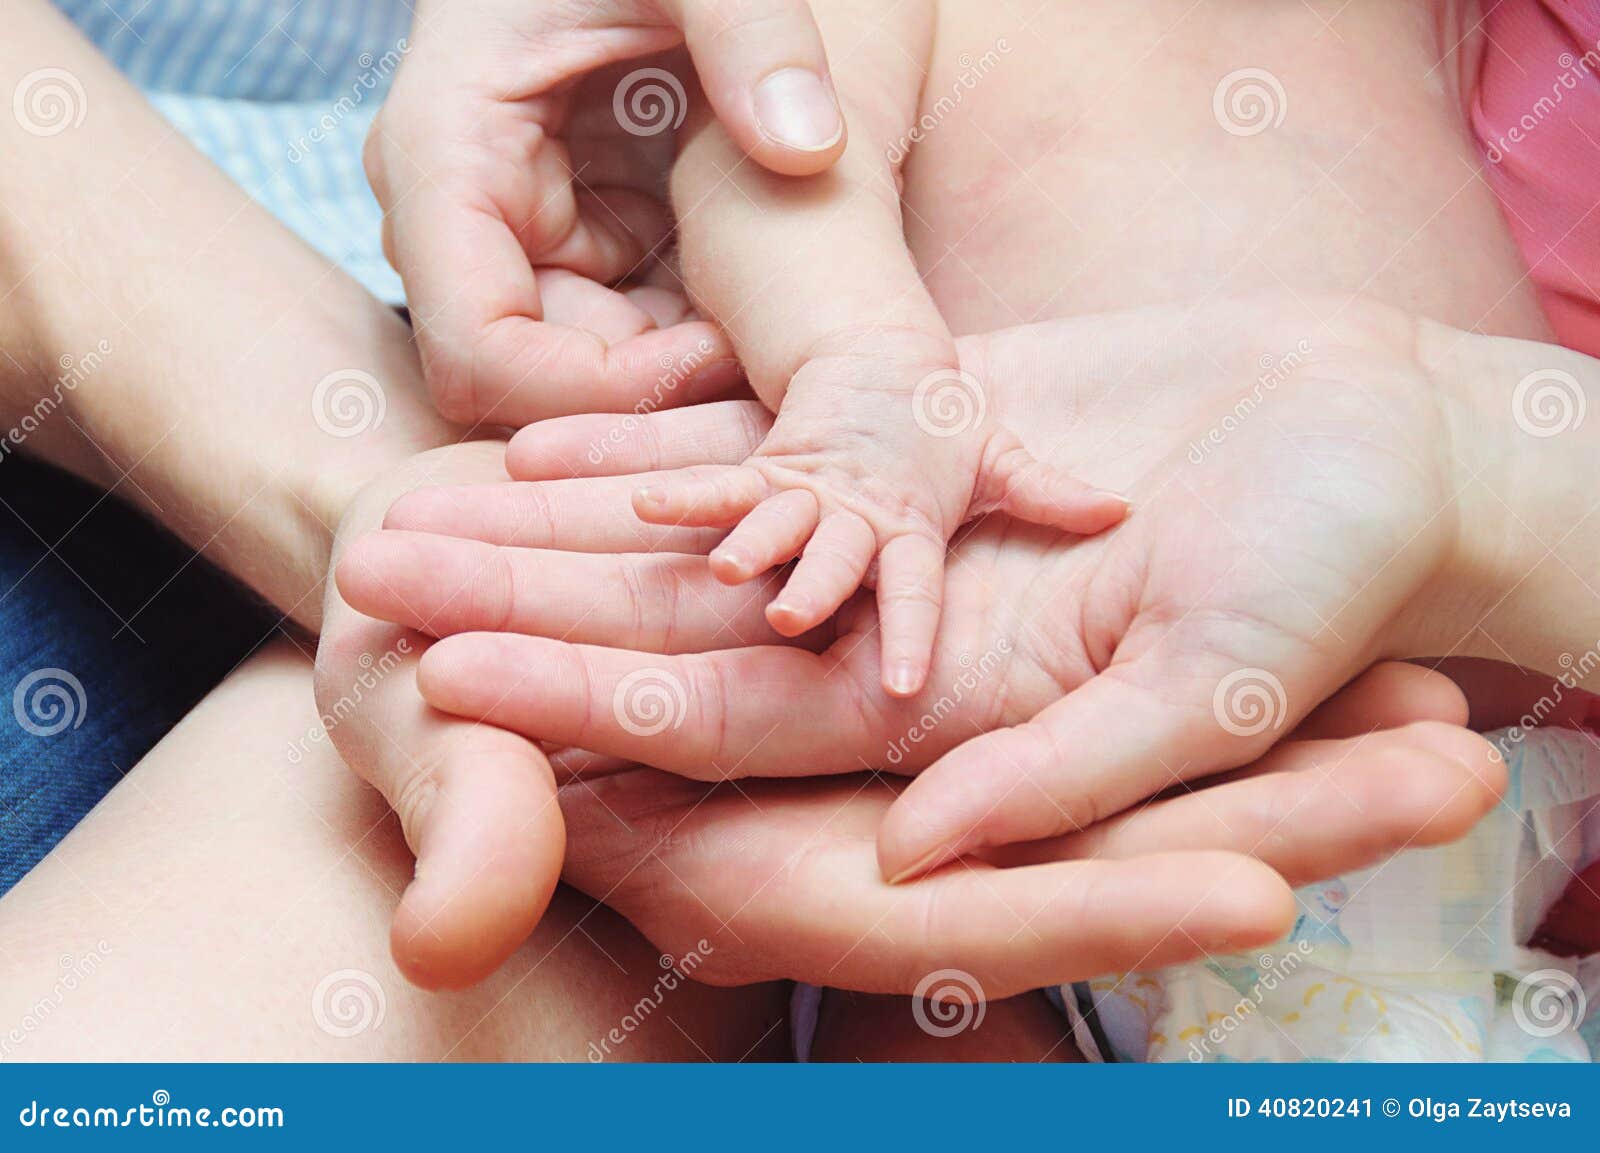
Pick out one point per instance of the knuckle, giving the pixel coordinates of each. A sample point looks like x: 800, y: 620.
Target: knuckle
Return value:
x: 754, y: 421
x: 647, y: 442
x: 709, y: 691
x: 494, y: 593
x: 749, y: 19
x: 536, y: 517
x: 449, y: 377
x: 413, y: 800
x: 649, y: 596
x: 1074, y: 810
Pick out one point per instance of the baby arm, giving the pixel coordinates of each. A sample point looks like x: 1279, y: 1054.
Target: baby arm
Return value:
x: 813, y: 282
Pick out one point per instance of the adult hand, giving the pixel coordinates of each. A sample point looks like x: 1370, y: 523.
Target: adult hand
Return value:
x: 779, y: 877
x: 516, y: 137
x: 1294, y: 522
x: 476, y: 803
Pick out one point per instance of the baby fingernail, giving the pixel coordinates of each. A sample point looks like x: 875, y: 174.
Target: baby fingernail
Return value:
x: 652, y: 495
x: 923, y: 864
x: 903, y: 679
x: 794, y: 107
x: 734, y: 558
x: 795, y: 608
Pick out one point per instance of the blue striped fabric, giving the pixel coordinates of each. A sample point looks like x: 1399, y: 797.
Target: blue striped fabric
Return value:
x: 279, y: 93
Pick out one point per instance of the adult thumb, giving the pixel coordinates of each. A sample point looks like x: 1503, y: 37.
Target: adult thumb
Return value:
x: 765, y: 73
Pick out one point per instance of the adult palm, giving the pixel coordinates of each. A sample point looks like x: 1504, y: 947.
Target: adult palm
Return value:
x: 1293, y: 488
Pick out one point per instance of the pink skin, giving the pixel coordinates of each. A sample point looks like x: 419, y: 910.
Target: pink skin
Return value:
x: 1305, y: 567
x: 861, y: 484
x: 498, y: 160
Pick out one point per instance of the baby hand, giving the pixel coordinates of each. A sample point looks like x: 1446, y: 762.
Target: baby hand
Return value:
x: 876, y: 458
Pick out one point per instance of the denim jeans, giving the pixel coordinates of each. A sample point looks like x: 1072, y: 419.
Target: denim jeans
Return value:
x: 110, y: 631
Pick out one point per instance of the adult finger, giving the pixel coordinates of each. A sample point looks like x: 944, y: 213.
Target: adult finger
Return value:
x: 1386, y: 696
x: 802, y: 899
x: 476, y: 804
x: 490, y: 350
x: 579, y: 515
x: 722, y: 432
x: 662, y: 603
x: 1181, y: 713
x: 1313, y: 809
x: 765, y: 73
x: 711, y: 716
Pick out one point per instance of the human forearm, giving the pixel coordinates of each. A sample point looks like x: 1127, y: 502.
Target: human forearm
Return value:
x: 785, y: 264
x: 168, y: 338
x: 1522, y: 583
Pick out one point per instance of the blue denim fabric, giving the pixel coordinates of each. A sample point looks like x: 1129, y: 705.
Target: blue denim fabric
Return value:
x: 110, y: 630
